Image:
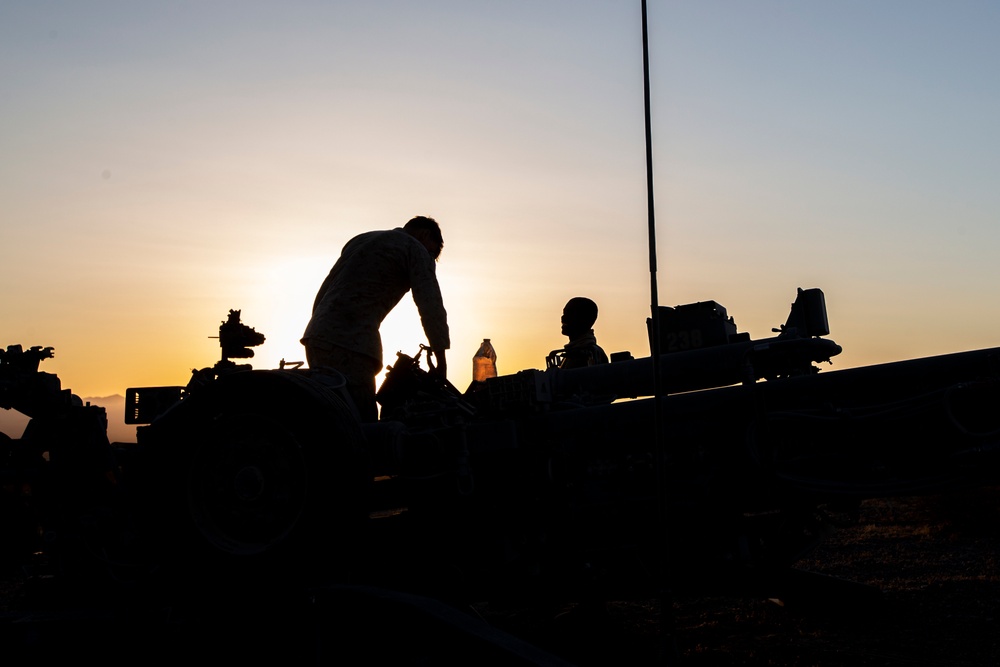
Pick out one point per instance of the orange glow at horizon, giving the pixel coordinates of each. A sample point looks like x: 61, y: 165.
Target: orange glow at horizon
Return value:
x: 163, y: 167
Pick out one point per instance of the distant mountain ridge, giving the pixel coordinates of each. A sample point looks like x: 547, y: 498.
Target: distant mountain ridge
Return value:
x: 12, y: 422
x: 118, y: 430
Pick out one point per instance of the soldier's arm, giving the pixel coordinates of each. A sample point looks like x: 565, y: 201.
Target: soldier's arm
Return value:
x: 430, y: 304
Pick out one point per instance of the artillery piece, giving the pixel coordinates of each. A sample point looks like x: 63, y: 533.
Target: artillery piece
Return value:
x: 558, y: 482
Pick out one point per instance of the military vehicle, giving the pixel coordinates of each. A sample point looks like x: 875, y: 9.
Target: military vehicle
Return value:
x: 579, y: 484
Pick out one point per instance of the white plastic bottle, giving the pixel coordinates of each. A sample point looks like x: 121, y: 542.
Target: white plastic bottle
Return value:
x: 484, y: 363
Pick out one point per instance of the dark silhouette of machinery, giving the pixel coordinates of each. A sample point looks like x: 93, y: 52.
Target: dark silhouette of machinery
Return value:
x: 543, y: 482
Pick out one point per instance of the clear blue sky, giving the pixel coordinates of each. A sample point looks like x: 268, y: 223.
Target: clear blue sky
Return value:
x: 165, y: 162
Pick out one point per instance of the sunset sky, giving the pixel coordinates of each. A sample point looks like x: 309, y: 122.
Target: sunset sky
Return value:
x: 162, y: 163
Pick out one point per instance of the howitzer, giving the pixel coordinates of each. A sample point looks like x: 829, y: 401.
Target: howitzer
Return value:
x: 544, y: 481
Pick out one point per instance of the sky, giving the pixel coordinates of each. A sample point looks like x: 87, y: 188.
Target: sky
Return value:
x: 163, y: 163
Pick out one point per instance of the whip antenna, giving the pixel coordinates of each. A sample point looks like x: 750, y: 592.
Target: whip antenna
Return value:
x: 650, y: 214
x: 659, y: 454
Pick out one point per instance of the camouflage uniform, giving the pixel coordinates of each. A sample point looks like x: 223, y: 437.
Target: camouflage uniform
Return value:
x: 583, y: 351
x: 373, y: 273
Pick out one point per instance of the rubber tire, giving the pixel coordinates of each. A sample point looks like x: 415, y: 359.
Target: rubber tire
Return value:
x: 263, y: 475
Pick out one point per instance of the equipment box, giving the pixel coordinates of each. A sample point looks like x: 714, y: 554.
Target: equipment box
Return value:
x: 692, y: 326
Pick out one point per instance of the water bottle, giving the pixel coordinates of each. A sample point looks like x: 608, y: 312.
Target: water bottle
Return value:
x: 484, y: 364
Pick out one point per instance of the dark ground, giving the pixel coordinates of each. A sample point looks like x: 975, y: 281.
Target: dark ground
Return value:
x: 935, y: 561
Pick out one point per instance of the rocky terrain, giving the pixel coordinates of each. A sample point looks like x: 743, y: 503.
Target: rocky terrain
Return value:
x: 930, y: 567
x: 933, y: 565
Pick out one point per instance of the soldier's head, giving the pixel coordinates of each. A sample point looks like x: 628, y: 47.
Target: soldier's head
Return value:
x: 578, y: 316
x: 428, y: 232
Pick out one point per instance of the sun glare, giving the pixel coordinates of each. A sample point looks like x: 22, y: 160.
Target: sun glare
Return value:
x: 279, y: 306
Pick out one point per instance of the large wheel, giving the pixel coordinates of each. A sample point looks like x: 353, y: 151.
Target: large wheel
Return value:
x: 248, y: 483
x: 262, y: 474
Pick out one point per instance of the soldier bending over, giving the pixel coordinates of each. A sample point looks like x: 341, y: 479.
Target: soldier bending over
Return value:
x: 373, y: 273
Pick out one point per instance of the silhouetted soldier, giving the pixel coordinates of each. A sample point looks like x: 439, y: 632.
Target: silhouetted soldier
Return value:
x: 578, y: 319
x: 373, y: 273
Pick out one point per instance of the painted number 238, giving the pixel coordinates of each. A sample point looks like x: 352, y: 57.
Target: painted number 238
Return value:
x: 683, y: 340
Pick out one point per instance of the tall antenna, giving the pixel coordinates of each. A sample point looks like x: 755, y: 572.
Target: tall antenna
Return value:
x: 651, y: 211
x: 659, y: 453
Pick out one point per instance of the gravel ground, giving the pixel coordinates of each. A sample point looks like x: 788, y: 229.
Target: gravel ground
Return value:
x: 933, y: 564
